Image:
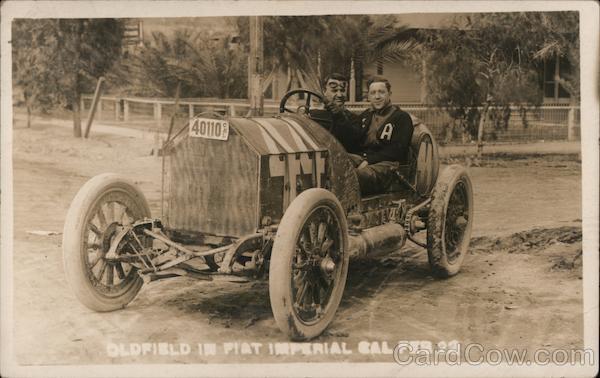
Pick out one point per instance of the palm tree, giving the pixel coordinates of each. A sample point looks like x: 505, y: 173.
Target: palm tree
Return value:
x: 309, y: 47
x: 202, y: 67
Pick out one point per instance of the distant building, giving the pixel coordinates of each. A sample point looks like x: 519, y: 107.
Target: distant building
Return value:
x: 553, y: 70
x: 408, y: 84
x: 138, y: 31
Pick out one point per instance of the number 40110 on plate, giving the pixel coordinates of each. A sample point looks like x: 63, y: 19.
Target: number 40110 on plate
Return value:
x: 209, y: 128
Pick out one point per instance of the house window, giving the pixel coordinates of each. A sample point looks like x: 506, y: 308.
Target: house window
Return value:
x: 553, y: 70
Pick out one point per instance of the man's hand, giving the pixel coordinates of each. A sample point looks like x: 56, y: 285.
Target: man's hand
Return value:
x: 332, y: 106
x: 362, y: 164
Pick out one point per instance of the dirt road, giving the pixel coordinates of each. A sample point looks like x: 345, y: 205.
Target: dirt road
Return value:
x: 520, y: 285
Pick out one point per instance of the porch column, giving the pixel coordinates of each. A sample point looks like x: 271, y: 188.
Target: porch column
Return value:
x: 157, y: 111
x: 571, y: 124
x: 352, y: 83
x: 117, y: 109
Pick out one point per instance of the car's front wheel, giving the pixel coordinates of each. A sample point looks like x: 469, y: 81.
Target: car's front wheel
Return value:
x: 101, y: 208
x: 309, y: 264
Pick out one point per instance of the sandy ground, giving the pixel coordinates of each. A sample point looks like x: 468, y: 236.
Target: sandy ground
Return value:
x: 520, y: 285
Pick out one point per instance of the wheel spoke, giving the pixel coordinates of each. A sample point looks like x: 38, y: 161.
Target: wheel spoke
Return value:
x: 109, y: 275
x: 118, y: 212
x: 326, y: 247
x: 324, y: 283
x: 132, y: 247
x: 94, y: 229
x: 305, y: 300
x: 111, y: 211
x: 125, y: 219
x: 301, y: 293
x: 98, y: 257
x: 312, y: 229
x: 316, y: 294
x: 120, y: 272
x: 102, y: 270
x: 101, y: 218
x: 300, y: 277
x: 304, y: 244
x: 321, y: 233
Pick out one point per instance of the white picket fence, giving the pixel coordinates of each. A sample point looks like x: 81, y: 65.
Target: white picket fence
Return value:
x: 124, y: 108
x: 547, y: 122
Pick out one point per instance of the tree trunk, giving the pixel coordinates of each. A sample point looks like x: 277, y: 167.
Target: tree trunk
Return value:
x: 256, y: 66
x: 77, y: 82
x: 77, y: 116
x: 28, y: 105
x: 28, y: 115
x: 480, y: 130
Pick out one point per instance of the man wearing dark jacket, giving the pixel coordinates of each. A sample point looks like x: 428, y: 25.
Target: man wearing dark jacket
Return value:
x: 386, y: 136
x: 340, y: 122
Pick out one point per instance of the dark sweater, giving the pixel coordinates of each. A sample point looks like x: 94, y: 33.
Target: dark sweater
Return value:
x: 344, y: 126
x: 389, y: 139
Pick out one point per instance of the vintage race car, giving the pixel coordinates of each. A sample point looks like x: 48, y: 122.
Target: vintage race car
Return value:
x: 262, y: 197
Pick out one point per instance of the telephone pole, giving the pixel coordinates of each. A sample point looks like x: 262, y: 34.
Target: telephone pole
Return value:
x: 256, y: 66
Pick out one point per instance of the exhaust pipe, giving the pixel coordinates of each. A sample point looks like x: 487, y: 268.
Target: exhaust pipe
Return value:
x: 379, y: 239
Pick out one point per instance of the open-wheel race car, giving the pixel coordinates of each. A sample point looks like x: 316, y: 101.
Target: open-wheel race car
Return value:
x: 263, y: 197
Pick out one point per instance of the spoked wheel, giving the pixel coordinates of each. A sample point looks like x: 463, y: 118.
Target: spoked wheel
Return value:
x: 99, y: 211
x: 309, y: 264
x: 450, y: 221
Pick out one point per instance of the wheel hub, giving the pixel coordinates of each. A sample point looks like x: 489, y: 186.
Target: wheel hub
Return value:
x: 327, y: 266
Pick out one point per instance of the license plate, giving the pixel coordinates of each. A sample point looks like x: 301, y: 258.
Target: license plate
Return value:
x: 209, y: 128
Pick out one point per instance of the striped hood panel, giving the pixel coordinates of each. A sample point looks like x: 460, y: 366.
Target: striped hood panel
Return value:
x: 273, y: 136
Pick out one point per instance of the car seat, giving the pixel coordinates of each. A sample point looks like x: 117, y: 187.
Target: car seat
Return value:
x: 420, y: 174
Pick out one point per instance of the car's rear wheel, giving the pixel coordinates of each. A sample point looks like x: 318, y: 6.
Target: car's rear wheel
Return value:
x: 450, y: 221
x: 100, y: 209
x: 309, y: 264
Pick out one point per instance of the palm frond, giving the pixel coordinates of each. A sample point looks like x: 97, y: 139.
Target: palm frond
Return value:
x: 391, y: 43
x: 395, y: 51
x: 549, y: 50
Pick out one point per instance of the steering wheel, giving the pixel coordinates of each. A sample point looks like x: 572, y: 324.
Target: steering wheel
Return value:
x: 302, y: 109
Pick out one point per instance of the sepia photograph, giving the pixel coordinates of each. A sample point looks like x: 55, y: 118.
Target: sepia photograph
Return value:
x: 285, y: 188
